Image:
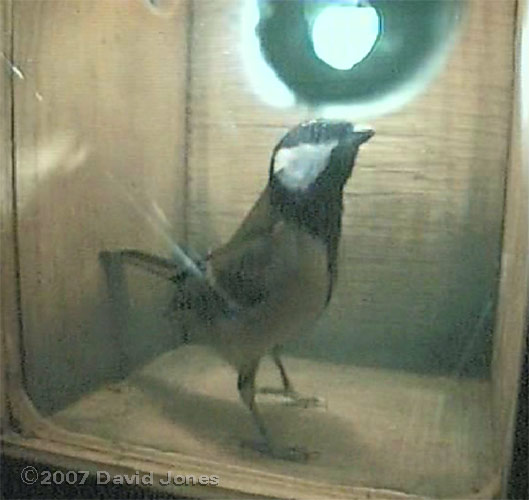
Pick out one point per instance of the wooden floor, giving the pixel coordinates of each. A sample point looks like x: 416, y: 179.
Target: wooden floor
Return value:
x: 428, y: 436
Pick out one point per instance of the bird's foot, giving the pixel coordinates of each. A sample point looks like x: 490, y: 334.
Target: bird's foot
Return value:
x: 307, y: 402
x: 297, y: 454
x: 293, y: 398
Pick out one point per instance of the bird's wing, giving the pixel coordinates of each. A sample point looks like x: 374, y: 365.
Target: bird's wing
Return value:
x: 246, y: 267
x: 236, y: 273
x: 259, y: 221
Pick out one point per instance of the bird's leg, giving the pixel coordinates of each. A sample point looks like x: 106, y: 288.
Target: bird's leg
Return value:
x: 246, y: 386
x: 295, y: 399
x: 287, y: 385
x: 288, y: 389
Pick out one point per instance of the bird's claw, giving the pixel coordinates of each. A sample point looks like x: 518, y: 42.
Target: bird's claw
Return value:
x: 293, y: 398
x: 307, y: 402
x: 290, y: 453
x: 276, y: 391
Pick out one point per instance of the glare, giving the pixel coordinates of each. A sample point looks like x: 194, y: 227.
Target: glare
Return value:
x: 344, y: 35
x: 261, y: 76
x: 264, y: 82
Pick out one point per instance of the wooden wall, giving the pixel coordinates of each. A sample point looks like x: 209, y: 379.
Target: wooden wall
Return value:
x: 421, y: 240
x: 101, y: 134
x: 511, y: 324
x: 8, y: 322
x: 99, y: 122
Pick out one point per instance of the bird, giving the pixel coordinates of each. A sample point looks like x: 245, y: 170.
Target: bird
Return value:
x: 274, y: 278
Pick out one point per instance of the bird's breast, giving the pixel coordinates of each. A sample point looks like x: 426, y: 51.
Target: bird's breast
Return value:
x: 298, y: 288
x: 304, y: 279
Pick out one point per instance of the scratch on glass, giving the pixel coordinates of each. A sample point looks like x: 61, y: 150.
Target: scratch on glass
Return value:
x: 14, y: 68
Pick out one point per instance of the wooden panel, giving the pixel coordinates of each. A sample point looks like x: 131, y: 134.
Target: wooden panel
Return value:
x: 401, y: 431
x: 99, y: 103
x: 421, y: 244
x: 511, y: 322
x: 7, y: 268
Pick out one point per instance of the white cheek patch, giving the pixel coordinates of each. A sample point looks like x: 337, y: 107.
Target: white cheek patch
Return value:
x: 299, y: 167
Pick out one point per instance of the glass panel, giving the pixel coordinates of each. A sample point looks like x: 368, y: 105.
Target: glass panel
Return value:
x: 145, y: 130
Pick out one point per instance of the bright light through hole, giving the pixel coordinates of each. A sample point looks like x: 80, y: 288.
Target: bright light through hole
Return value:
x: 261, y: 76
x: 344, y: 35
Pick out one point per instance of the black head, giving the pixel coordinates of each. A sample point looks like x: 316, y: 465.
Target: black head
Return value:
x: 308, y: 171
x: 316, y: 155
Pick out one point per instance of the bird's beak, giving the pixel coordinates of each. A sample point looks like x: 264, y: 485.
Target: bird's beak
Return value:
x: 362, y: 136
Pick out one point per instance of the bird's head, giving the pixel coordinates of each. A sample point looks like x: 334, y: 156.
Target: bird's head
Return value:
x: 316, y: 156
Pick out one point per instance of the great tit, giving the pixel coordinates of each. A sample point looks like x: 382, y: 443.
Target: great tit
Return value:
x: 273, y: 279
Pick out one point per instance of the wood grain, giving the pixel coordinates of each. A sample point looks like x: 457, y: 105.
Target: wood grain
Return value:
x: 511, y: 324
x: 99, y: 123
x: 8, y: 294
x: 421, y: 243
x: 382, y: 429
x: 100, y: 132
